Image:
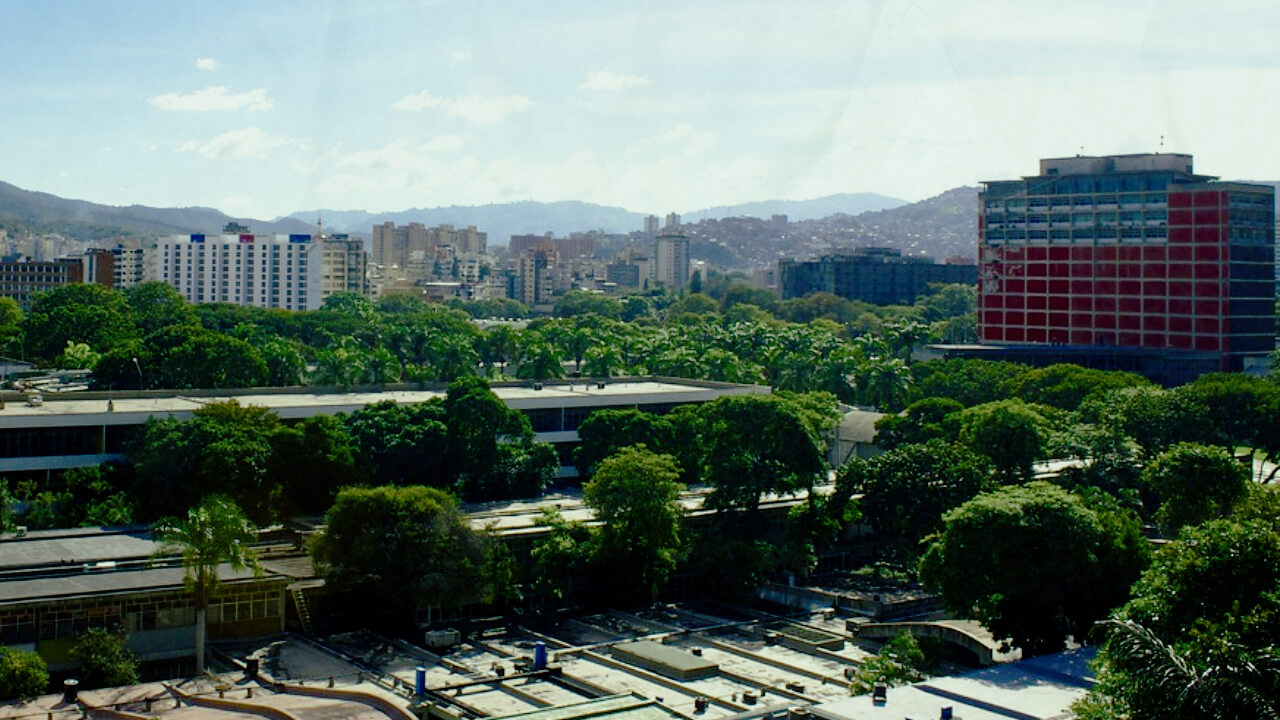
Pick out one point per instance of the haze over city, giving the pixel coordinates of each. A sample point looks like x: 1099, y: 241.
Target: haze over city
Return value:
x: 262, y: 110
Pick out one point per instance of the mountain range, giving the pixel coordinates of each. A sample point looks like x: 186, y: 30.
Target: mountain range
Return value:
x: 82, y: 220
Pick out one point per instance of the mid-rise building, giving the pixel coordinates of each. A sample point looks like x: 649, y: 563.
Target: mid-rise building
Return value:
x: 345, y: 266
x: 1130, y: 261
x: 673, y: 260
x: 281, y: 271
x: 22, y: 280
x: 533, y: 282
x: 876, y: 275
x: 402, y: 245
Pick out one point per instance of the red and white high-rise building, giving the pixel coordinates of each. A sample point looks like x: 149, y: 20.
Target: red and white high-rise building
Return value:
x: 1132, y: 258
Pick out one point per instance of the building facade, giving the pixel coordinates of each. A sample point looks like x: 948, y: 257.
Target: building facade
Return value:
x: 22, y: 280
x: 344, y: 266
x: 673, y: 260
x: 1129, y: 254
x: 876, y: 275
x: 409, y: 244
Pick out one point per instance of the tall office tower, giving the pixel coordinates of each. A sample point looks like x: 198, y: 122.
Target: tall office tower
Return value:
x: 651, y: 225
x: 1128, y: 261
x: 394, y: 245
x: 673, y: 220
x: 673, y: 260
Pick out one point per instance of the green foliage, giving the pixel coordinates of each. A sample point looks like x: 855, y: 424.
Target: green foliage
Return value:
x: 1240, y: 409
x: 922, y: 421
x: 1066, y: 386
x: 156, y: 306
x: 755, y: 444
x: 1194, y: 483
x: 968, y: 382
x: 635, y: 495
x: 224, y: 448
x: 907, y: 490
x: 607, y: 431
x: 81, y: 312
x: 559, y: 560
x: 582, y: 302
x: 1009, y: 432
x: 1027, y: 562
x: 409, y: 547
x: 23, y: 674
x: 899, y: 662
x: 311, y: 460
x: 213, y: 533
x: 104, y: 660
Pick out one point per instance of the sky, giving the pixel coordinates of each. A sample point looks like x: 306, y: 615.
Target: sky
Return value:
x: 269, y: 107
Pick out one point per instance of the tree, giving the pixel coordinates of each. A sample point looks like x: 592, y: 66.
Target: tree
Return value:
x: 922, y: 421
x: 1195, y: 483
x: 906, y: 491
x: 1066, y: 386
x: 899, y: 662
x: 401, y: 444
x: 214, y: 533
x: 969, y: 382
x: 409, y: 547
x: 635, y: 494
x: 225, y: 448
x: 80, y: 312
x: 558, y: 559
x: 1145, y: 677
x: 755, y: 444
x: 1215, y: 590
x: 312, y: 459
x: 10, y: 326
x: 77, y: 356
x: 581, y: 302
x: 608, y: 430
x: 104, y: 659
x: 23, y: 674
x: 1026, y: 561
x: 155, y: 306
x: 1009, y: 432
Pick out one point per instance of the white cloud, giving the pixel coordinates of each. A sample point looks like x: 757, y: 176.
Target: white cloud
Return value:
x: 459, y: 56
x: 247, y: 143
x: 605, y: 80
x: 214, y: 97
x: 482, y: 110
x: 238, y: 205
x: 695, y: 142
x: 206, y: 64
x: 444, y: 143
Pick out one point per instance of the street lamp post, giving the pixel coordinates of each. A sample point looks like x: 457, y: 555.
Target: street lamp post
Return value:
x: 141, y: 384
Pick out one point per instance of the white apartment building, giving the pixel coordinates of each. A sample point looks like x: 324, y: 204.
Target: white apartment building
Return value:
x: 275, y: 271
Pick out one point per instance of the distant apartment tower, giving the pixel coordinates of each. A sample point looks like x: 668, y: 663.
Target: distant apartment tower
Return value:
x: 651, y: 225
x: 22, y: 280
x: 521, y: 244
x: 415, y: 242
x: 1133, y: 261
x: 344, y: 266
x: 533, y: 280
x: 673, y: 260
x: 876, y: 275
x: 673, y: 220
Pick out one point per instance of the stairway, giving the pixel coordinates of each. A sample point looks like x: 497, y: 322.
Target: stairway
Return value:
x: 304, y: 611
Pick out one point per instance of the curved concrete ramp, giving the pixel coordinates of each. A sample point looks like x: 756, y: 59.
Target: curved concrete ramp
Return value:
x: 967, y: 635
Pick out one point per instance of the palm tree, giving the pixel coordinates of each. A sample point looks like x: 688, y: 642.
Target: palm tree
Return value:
x: 1166, y: 682
x: 215, y: 532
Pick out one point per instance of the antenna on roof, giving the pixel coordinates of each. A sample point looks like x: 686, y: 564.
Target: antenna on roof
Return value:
x: 1161, y: 144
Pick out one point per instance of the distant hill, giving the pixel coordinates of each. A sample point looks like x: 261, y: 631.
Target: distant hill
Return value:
x: 41, y: 212
x: 797, y: 210
x: 500, y: 221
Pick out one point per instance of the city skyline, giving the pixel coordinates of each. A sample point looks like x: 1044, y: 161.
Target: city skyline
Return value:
x: 265, y: 111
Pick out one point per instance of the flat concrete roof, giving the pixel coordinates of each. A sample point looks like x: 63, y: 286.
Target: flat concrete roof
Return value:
x: 110, y: 581
x: 678, y: 660
x: 133, y: 409
x: 615, y: 707
x: 74, y: 546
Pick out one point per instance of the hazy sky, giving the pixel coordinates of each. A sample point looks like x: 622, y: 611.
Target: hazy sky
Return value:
x: 263, y: 108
